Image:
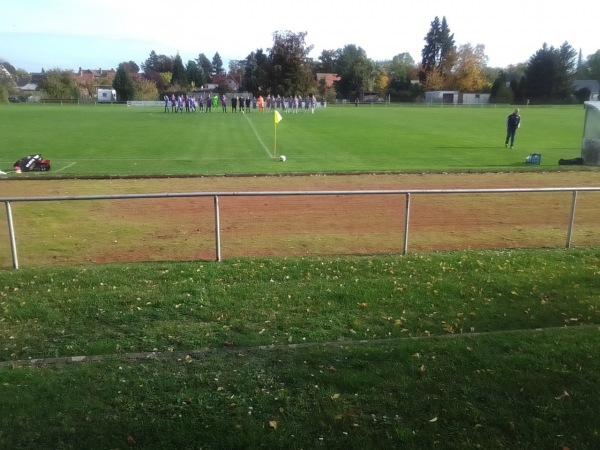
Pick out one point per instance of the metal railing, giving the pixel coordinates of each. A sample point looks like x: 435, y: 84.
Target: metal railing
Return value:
x: 217, y: 195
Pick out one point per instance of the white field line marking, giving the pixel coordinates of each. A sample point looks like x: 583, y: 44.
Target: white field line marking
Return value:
x: 267, y: 151
x: 66, y: 167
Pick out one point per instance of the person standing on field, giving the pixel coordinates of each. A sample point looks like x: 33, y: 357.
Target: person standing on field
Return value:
x: 513, y: 122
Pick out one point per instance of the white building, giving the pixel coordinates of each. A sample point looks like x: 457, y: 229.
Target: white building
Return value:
x: 456, y: 98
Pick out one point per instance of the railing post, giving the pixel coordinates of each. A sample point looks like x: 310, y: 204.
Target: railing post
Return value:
x: 571, y: 220
x: 217, y: 229
x: 11, y: 233
x: 406, y: 216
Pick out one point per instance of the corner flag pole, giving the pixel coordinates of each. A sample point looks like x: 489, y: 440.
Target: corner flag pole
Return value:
x: 277, y: 118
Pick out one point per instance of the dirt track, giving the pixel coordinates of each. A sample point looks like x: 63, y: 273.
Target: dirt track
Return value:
x: 175, y: 228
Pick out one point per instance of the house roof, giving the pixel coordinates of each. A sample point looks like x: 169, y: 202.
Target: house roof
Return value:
x: 96, y: 73
x: 592, y: 85
x: 328, y: 77
x: 231, y: 80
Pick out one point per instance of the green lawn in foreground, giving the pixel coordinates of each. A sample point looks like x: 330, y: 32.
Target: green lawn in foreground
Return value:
x: 120, y: 140
x: 443, y: 350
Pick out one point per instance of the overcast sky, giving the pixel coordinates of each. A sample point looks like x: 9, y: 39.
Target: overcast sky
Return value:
x: 69, y: 34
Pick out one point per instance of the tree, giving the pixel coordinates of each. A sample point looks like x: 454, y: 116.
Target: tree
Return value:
x: 123, y: 84
x: 151, y: 64
x: 144, y: 90
x: 131, y: 67
x: 439, y: 52
x: 401, y: 66
x: 583, y: 94
x: 7, y: 82
x: 195, y: 75
x: 206, y: 66
x: 255, y: 72
x: 217, y: 63
x: 435, y: 81
x: 165, y: 78
x: 549, y: 74
x: 327, y: 61
x: 400, y: 70
x: 58, y: 83
x: 154, y: 68
x: 179, y: 73
x: 354, y: 69
x: 592, y: 65
x: 289, y: 66
x: 469, y: 70
x: 581, y: 68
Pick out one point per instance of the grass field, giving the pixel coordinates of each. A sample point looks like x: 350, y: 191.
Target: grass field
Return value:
x: 463, y: 349
x: 103, y: 140
x: 441, y: 350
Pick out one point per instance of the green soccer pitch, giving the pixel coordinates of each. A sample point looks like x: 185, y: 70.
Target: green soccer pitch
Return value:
x: 114, y: 140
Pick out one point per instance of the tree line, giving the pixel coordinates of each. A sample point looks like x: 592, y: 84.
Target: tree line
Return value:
x: 286, y: 69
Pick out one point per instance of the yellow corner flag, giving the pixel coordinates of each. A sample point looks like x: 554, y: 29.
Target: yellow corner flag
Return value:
x: 278, y: 117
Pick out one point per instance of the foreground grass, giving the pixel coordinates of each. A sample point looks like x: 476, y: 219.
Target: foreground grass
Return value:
x: 90, y: 310
x: 375, y: 366
x: 515, y: 390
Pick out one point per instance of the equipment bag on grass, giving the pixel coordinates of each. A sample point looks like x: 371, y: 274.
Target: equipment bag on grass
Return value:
x: 32, y: 163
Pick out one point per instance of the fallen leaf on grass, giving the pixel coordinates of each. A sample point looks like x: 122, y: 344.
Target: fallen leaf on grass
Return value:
x: 564, y: 396
x: 433, y: 420
x: 449, y: 329
x: 335, y: 396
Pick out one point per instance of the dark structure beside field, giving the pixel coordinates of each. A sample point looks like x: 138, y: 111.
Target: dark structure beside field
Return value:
x: 590, y: 146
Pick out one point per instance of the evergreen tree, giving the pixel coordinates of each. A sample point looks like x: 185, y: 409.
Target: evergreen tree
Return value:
x: 255, y: 73
x: 592, y: 65
x: 439, y: 52
x: 195, y: 75
x: 217, y: 63
x: 206, y: 66
x: 549, y: 74
x: 151, y: 64
x: 156, y: 68
x: 123, y: 84
x: 179, y: 73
